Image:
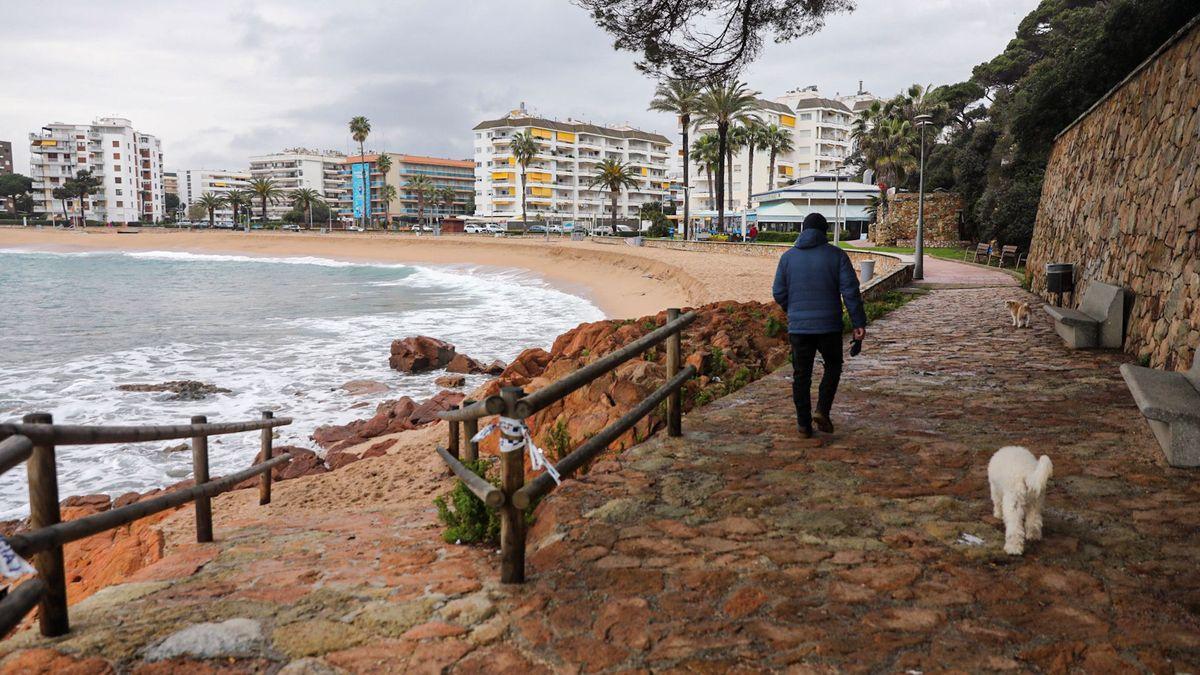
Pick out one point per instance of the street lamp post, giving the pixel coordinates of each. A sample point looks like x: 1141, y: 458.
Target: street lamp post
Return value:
x: 919, y: 269
x: 837, y: 201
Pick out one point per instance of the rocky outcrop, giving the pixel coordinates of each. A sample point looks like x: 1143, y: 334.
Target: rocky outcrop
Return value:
x: 364, y: 387
x: 390, y: 417
x: 420, y: 354
x: 451, y: 381
x: 182, y: 390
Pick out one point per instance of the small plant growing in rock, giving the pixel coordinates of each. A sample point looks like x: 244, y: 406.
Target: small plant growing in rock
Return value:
x: 774, y: 326
x: 649, y: 325
x: 719, y: 362
x: 467, y: 519
x: 740, y: 379
x: 650, y: 355
x: 557, y: 440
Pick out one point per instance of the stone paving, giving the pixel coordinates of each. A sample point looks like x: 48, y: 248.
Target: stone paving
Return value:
x: 737, y: 548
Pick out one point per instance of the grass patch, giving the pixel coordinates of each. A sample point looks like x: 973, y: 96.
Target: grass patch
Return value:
x: 876, y: 308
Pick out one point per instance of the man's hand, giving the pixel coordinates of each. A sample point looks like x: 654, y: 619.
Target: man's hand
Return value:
x: 860, y: 333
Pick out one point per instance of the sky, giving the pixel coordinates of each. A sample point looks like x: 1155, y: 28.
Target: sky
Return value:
x: 220, y: 81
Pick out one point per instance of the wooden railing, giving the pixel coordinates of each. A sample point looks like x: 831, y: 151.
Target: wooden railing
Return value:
x: 514, y: 495
x: 34, y: 441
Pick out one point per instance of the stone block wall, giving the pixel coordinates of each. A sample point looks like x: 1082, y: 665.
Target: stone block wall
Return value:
x: 942, y: 215
x: 1121, y: 201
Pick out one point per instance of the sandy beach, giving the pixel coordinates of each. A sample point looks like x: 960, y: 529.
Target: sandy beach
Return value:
x: 624, y: 281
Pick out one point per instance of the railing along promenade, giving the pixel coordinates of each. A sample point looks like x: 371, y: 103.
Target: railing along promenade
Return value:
x: 34, y: 440
x: 514, y: 405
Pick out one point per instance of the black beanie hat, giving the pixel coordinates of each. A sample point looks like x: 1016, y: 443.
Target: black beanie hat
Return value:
x: 815, y: 221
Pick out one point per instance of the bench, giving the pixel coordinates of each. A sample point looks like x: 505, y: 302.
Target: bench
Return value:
x: 981, y: 251
x: 1099, y: 321
x: 1170, y: 402
x: 1008, y: 253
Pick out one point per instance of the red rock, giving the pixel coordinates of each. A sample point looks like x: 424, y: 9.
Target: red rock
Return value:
x: 450, y: 381
x: 744, y: 601
x: 364, y: 387
x: 495, y: 367
x: 420, y: 354
x: 461, y: 363
x: 427, y: 411
x: 51, y: 662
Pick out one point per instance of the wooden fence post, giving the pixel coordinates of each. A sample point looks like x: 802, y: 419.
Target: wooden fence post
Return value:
x: 512, y: 519
x: 470, y: 449
x: 43, y: 512
x: 453, y: 442
x: 200, y: 474
x: 264, y: 482
x: 674, y: 407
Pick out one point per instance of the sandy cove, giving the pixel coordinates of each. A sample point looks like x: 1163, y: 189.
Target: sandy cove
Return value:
x: 624, y: 281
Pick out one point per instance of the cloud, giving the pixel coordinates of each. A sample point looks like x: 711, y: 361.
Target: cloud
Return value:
x: 222, y: 81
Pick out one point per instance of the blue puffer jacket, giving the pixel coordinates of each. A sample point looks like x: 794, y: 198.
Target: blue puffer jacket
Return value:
x: 813, y: 279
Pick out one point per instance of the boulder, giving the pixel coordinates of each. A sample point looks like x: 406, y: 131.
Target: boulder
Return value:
x: 420, y: 354
x: 495, y: 367
x: 182, y: 390
x: 364, y: 387
x: 442, y: 401
x: 461, y: 363
x: 451, y: 381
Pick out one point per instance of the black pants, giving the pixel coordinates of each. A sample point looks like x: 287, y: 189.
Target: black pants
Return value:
x: 804, y: 348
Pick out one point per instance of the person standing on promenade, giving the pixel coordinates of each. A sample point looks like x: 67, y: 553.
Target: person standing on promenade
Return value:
x: 812, y: 281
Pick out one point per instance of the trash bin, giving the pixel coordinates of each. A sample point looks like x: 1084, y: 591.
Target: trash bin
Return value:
x: 866, y: 271
x: 1060, y: 278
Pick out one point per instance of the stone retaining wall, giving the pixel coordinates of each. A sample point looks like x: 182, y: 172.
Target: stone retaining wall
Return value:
x: 1121, y: 201
x: 942, y: 214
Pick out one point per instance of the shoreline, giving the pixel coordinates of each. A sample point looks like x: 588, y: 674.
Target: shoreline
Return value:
x: 622, y: 283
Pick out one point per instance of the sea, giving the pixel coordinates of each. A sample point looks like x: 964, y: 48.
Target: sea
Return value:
x: 280, y: 333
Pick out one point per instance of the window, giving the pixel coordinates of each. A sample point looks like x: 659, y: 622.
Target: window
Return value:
x: 805, y: 116
x: 805, y: 133
x: 804, y: 150
x: 118, y: 179
x: 116, y: 144
x: 116, y: 155
x: 119, y: 204
x: 119, y: 192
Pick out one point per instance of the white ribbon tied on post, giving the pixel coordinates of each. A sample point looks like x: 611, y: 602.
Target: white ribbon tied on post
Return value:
x: 11, y: 564
x: 514, y: 436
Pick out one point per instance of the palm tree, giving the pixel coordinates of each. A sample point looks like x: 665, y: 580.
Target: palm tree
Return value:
x: 447, y: 196
x: 754, y: 134
x: 424, y: 188
x: 304, y: 199
x: 387, y: 194
x: 523, y: 148
x: 265, y: 190
x: 211, y: 202
x: 705, y: 155
x: 383, y: 164
x: 236, y: 200
x: 680, y: 97
x: 779, y: 142
x: 612, y: 175
x: 360, y: 128
x: 723, y: 104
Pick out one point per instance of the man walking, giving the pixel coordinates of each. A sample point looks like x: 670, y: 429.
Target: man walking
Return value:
x: 813, y: 279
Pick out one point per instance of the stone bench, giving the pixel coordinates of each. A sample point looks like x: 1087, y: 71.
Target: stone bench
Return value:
x: 1171, y: 404
x: 1099, y: 321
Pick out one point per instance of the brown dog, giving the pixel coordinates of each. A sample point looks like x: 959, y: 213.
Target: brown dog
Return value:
x: 1020, y: 313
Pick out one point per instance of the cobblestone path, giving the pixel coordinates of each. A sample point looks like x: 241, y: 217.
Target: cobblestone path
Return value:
x: 737, y: 548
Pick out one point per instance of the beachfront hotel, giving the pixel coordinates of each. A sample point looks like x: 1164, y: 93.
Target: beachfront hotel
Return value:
x: 194, y: 183
x: 6, y: 164
x: 128, y: 164
x: 820, y: 129
x: 455, y: 174
x: 297, y: 168
x: 557, y: 179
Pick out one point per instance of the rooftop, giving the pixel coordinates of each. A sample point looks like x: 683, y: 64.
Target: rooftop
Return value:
x: 514, y: 119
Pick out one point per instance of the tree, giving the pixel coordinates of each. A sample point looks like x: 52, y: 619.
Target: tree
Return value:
x: 613, y: 175
x: 80, y: 187
x: 779, y: 142
x: 360, y: 128
x: 238, y: 200
x: 653, y: 212
x: 754, y: 137
x: 423, y: 188
x: 724, y: 104
x: 304, y: 199
x: 265, y: 190
x: 383, y: 164
x: 211, y: 202
x: 388, y: 195
x: 171, y: 203
x: 13, y: 186
x: 523, y: 147
x: 62, y: 194
x: 680, y: 97
x: 195, y: 212
x: 705, y: 155
x: 708, y: 39
x: 469, y: 208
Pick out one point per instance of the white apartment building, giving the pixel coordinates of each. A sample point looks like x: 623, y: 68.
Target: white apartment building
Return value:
x: 193, y: 183
x: 820, y: 130
x: 296, y: 168
x: 128, y: 164
x: 557, y: 181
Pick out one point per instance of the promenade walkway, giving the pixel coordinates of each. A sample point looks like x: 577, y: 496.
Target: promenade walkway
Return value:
x: 736, y: 548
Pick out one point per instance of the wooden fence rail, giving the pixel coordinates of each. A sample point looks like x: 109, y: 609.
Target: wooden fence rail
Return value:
x: 34, y: 440
x: 514, y: 496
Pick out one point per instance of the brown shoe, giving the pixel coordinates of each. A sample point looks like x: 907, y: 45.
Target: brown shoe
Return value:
x: 806, y: 432
x: 823, y: 423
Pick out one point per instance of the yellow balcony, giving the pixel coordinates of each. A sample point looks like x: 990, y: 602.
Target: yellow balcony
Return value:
x: 501, y: 176
x: 541, y: 133
x: 541, y: 192
x: 787, y: 120
x: 537, y: 177
x: 566, y: 136
x: 785, y: 170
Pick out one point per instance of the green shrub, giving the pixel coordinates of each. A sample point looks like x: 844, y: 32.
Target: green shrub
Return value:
x: 776, y: 237
x: 719, y: 362
x: 467, y: 519
x: 775, y: 326
x: 557, y: 441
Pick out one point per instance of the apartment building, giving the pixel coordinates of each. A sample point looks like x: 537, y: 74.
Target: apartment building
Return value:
x: 194, y: 183
x: 557, y: 181
x: 128, y: 164
x: 171, y: 183
x: 6, y: 162
x: 820, y: 129
x: 295, y: 168
x: 457, y: 175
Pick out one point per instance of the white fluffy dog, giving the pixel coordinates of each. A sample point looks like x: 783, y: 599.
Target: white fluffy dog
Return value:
x: 1018, y: 491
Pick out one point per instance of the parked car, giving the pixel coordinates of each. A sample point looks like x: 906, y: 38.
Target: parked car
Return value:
x: 536, y: 229
x: 494, y: 228
x: 624, y: 228
x: 356, y: 228
x: 472, y: 228
x: 291, y: 227
x: 556, y: 229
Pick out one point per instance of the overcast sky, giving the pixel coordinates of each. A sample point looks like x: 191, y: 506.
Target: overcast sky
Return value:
x: 221, y: 81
